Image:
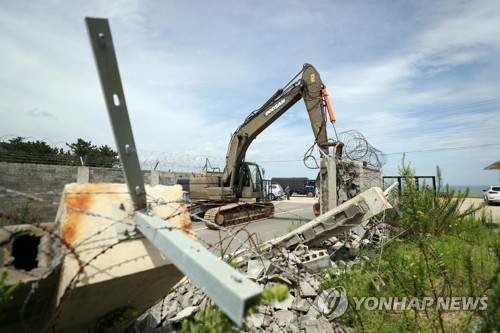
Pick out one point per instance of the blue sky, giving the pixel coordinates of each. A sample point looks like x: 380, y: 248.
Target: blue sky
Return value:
x: 420, y: 77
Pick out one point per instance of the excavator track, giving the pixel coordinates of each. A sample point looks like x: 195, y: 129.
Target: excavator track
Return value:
x: 236, y: 213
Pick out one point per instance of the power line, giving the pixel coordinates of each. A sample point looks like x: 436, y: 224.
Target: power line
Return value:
x: 408, y: 152
x: 446, y: 149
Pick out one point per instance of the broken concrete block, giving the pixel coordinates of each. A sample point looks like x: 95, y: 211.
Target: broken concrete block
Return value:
x: 186, y: 299
x: 359, y: 231
x: 294, y: 259
x: 301, y: 305
x: 172, y: 310
x: 300, y: 250
x: 319, y: 325
x: 274, y: 328
x: 337, y: 246
x: 355, y: 242
x: 197, y: 298
x: 268, y: 319
x: 307, y: 289
x: 279, y: 278
x: 313, y: 313
x: 285, y: 304
x: 255, y: 268
x: 255, y: 319
x: 292, y: 328
x: 186, y: 313
x: 284, y: 317
x: 317, y: 260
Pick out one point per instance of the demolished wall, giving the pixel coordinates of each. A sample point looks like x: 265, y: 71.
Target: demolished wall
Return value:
x: 352, y: 178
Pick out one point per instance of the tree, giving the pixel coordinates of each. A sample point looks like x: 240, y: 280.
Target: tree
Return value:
x: 18, y: 150
x: 80, y: 152
x: 92, y: 155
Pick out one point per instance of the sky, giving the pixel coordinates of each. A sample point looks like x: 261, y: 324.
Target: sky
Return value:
x: 419, y: 78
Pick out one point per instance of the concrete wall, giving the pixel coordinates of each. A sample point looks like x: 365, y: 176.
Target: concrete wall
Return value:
x: 45, y: 184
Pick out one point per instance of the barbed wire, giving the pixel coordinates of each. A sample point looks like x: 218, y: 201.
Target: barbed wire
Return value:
x: 149, y: 160
x: 180, y: 162
x: 358, y: 149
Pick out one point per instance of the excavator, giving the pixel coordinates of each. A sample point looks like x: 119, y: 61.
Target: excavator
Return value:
x: 237, y: 194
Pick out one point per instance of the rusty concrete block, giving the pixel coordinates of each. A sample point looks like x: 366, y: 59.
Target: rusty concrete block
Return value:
x: 87, y: 219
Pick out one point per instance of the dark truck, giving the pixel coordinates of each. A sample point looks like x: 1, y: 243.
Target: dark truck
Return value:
x: 298, y: 185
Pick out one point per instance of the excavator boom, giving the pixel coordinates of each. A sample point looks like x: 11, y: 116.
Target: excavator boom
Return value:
x: 310, y: 88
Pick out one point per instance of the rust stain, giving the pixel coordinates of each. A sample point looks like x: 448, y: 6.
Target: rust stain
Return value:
x: 183, y: 222
x: 76, y: 205
x: 79, y: 200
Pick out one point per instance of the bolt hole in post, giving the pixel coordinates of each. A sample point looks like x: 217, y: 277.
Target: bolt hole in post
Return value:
x: 101, y: 39
x: 116, y: 100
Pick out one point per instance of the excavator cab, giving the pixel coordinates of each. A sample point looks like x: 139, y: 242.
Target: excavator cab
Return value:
x: 250, y: 183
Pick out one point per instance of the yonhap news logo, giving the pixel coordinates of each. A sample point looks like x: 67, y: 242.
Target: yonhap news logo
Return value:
x: 422, y: 303
x: 333, y: 303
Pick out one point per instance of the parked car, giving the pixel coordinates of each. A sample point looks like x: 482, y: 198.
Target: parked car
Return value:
x: 492, y: 194
x: 277, y: 192
x: 298, y: 185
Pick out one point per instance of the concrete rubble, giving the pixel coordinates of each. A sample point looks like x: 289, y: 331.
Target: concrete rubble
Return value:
x: 300, y: 267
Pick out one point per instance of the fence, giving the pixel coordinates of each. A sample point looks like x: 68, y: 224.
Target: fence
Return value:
x: 149, y: 160
x: 31, y: 192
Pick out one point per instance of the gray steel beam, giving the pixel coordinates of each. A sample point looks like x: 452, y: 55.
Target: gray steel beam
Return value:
x: 227, y: 287
x: 107, y: 66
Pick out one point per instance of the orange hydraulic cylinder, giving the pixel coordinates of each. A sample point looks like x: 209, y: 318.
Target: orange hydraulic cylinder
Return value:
x: 328, y: 105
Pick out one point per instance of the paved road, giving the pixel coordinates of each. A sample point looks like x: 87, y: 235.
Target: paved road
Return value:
x: 493, y: 209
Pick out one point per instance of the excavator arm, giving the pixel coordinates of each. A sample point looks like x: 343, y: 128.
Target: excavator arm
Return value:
x: 310, y: 88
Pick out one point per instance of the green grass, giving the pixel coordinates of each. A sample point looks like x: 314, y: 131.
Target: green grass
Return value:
x: 294, y: 225
x: 461, y: 263
x: 475, y: 196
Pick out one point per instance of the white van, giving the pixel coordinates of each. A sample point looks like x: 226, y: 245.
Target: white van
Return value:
x: 277, y: 192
